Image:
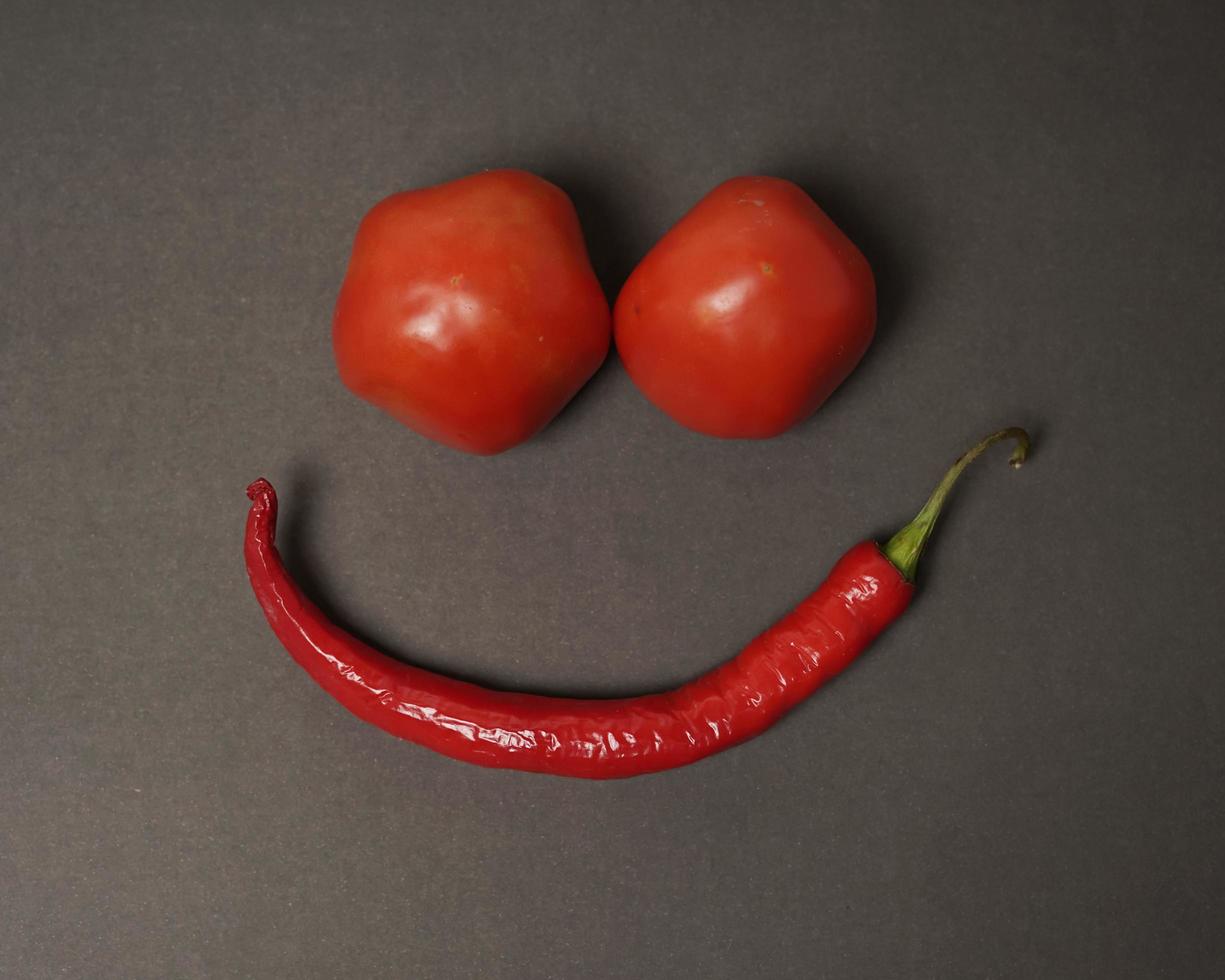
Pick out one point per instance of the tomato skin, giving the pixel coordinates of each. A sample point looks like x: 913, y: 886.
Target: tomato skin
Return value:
x: 748, y: 313
x: 470, y: 311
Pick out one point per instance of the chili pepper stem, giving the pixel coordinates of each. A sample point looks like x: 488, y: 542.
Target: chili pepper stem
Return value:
x: 906, y: 547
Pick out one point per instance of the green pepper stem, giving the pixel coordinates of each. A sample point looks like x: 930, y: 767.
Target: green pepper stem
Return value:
x: 906, y: 547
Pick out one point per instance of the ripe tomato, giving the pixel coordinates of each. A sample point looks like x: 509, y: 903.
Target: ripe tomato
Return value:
x: 470, y: 311
x: 747, y: 315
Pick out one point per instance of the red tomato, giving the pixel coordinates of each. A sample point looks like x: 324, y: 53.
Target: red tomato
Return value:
x: 747, y: 315
x: 469, y: 310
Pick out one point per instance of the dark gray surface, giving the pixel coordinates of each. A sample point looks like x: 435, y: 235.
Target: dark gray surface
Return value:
x: 1024, y: 778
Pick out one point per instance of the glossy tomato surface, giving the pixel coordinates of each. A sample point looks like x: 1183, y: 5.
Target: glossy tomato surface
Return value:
x: 747, y: 315
x: 470, y: 311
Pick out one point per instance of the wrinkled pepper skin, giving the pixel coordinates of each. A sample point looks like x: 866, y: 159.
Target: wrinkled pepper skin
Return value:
x: 585, y: 738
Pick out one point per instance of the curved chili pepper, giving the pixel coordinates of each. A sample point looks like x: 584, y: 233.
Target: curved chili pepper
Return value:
x: 868, y: 588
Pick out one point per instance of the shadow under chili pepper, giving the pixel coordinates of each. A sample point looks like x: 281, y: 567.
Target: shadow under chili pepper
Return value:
x: 293, y: 538
x: 294, y: 541
x: 931, y: 565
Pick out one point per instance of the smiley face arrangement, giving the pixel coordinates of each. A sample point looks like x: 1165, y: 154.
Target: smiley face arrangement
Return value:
x: 470, y: 312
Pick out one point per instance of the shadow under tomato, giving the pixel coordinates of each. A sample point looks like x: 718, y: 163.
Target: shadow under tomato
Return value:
x: 585, y: 404
x: 614, y: 253
x: 610, y: 244
x: 866, y: 215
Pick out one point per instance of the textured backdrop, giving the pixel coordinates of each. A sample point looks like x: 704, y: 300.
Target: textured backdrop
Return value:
x: 1024, y: 778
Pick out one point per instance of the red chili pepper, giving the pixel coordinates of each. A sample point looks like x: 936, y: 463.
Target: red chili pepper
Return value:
x: 868, y: 588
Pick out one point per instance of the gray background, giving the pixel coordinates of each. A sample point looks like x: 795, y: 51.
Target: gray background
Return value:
x: 1024, y: 777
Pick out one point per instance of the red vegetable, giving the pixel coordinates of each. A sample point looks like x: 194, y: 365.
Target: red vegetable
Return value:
x: 603, y: 739
x: 469, y: 310
x: 747, y: 315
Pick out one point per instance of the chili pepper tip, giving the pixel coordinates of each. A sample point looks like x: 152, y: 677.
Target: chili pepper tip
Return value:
x: 260, y: 488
